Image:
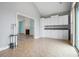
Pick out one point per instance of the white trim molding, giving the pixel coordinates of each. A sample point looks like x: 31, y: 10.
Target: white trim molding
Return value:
x: 4, y: 48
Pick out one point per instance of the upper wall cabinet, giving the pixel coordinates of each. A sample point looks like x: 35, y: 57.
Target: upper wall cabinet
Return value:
x: 57, y: 27
x: 55, y: 20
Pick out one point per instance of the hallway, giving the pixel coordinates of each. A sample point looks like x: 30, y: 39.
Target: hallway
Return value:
x: 43, y: 47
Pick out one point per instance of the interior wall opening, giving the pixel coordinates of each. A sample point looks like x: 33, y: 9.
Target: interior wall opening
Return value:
x: 25, y: 27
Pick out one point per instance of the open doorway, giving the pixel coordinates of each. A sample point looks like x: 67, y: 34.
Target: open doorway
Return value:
x: 25, y: 27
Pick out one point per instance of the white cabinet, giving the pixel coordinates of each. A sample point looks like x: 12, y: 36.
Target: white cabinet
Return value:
x: 56, y: 20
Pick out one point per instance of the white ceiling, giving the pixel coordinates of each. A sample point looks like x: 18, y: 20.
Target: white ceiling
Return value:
x: 49, y: 8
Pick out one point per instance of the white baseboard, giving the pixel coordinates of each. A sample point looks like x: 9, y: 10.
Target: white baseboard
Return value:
x: 4, y: 48
x: 36, y: 37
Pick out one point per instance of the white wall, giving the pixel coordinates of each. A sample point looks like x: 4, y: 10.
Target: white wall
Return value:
x: 73, y: 26
x: 31, y: 27
x: 54, y: 20
x: 72, y: 17
x: 21, y: 19
x: 8, y: 13
x: 7, y: 17
x: 27, y: 23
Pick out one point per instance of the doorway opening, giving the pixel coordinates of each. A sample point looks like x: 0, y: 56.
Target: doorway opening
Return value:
x: 25, y: 28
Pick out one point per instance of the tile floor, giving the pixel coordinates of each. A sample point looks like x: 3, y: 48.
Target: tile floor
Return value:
x: 43, y: 47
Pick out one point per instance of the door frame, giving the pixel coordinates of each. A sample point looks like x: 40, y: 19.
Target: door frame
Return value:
x: 17, y: 26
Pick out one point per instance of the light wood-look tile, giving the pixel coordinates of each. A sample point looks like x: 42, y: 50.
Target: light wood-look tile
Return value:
x: 43, y: 47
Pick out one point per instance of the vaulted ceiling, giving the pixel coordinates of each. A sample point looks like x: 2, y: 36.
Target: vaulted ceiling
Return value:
x: 50, y: 8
